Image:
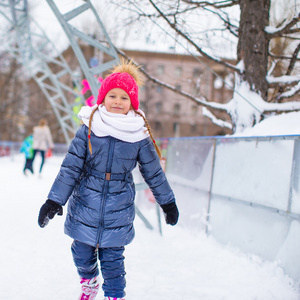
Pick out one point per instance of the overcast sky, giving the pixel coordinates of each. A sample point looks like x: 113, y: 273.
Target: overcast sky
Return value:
x: 153, y: 35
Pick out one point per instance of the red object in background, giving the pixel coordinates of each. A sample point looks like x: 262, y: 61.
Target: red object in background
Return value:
x: 7, y: 151
x: 149, y: 196
x: 49, y: 153
x: 4, y: 151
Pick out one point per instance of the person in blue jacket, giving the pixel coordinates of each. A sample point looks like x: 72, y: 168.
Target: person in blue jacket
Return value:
x: 96, y: 179
x: 27, y: 149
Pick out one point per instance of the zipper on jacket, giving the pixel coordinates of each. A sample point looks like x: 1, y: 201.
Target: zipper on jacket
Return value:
x: 111, y: 149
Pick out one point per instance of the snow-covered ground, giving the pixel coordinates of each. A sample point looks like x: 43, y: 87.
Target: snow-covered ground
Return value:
x: 36, y: 264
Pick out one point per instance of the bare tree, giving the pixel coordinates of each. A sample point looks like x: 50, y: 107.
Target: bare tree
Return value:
x: 261, y: 87
x: 11, y: 109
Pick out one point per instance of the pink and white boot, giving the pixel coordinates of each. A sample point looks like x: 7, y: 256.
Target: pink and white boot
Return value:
x: 89, y: 288
x: 112, y: 298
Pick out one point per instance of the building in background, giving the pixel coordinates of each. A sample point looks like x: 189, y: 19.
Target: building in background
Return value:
x: 173, y: 115
x: 170, y: 114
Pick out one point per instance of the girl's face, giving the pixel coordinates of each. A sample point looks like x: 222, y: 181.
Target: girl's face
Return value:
x: 117, y: 101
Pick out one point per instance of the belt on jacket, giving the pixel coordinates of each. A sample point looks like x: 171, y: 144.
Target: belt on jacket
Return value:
x: 126, y: 176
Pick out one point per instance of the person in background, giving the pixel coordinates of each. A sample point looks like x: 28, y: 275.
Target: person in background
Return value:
x: 96, y: 178
x: 42, y: 141
x: 27, y: 149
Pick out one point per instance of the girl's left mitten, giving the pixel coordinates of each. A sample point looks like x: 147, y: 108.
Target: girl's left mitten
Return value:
x: 48, y: 210
x: 171, y: 213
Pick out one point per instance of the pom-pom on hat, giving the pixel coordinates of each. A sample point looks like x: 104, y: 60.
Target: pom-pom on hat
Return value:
x: 125, y: 76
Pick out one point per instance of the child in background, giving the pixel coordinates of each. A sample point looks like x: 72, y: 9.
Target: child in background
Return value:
x: 96, y: 178
x: 27, y: 149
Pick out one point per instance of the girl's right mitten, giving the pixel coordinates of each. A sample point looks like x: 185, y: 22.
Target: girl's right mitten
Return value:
x: 48, y: 210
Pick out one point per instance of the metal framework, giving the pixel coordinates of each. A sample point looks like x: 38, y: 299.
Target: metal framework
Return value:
x: 74, y: 34
x: 29, y: 44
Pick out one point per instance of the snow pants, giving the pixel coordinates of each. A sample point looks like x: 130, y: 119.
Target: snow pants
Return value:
x: 111, y: 262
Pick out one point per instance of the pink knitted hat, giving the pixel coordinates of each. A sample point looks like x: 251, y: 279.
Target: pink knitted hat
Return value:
x: 123, y: 81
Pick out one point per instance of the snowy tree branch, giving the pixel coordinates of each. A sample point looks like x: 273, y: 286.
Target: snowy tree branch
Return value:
x: 216, y: 121
x: 284, y: 29
x: 290, y: 93
x: 232, y: 29
x: 293, y: 60
x: 282, y: 107
x: 282, y: 57
x: 183, y: 35
x: 218, y: 5
x: 282, y: 80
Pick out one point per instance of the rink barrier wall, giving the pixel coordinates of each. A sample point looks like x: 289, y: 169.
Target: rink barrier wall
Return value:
x: 8, y: 148
x: 244, y: 191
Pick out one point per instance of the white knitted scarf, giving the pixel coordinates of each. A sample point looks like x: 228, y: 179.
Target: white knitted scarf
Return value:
x: 128, y: 128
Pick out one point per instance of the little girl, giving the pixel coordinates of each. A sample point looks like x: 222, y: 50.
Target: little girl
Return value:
x: 96, y: 178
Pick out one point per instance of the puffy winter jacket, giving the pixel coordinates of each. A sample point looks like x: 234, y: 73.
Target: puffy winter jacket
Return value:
x: 26, y: 147
x: 100, y: 187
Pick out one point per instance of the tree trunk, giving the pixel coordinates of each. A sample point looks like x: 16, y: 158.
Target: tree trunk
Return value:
x: 253, y: 43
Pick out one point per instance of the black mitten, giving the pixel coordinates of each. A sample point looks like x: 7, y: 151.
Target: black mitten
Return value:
x: 171, y: 213
x: 48, y: 210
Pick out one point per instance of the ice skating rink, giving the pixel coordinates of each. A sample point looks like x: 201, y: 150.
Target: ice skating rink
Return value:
x: 36, y: 264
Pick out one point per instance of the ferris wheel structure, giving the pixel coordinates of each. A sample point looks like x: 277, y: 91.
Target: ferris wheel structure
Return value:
x: 25, y: 40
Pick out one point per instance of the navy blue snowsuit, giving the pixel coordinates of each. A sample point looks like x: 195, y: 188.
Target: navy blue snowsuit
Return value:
x: 100, y: 188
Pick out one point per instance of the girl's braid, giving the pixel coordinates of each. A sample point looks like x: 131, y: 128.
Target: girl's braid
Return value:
x: 90, y: 128
x: 149, y: 131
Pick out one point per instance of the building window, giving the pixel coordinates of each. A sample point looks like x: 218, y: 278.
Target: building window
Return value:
x: 157, y: 126
x: 142, y: 91
x: 158, y: 106
x: 160, y: 69
x: 159, y: 89
x: 178, y: 71
x: 144, y: 66
x: 194, y: 110
x: 196, y: 89
x: 176, y: 129
x: 176, y: 109
x: 142, y: 106
x: 197, y: 72
x: 178, y: 87
x: 193, y: 128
